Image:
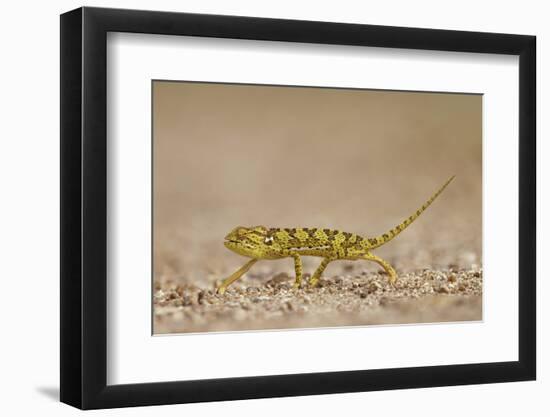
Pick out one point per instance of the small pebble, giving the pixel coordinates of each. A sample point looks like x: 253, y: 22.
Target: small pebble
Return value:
x: 200, y: 297
x: 278, y: 279
x: 443, y: 289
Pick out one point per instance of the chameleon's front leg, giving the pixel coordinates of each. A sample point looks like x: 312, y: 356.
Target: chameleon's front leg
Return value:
x: 298, y: 269
x: 317, y: 274
x: 392, y: 275
x: 235, y: 276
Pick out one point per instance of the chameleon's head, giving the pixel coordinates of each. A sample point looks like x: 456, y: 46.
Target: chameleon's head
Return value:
x: 249, y: 241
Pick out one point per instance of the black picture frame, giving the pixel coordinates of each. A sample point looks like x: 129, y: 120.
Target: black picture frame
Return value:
x: 84, y: 207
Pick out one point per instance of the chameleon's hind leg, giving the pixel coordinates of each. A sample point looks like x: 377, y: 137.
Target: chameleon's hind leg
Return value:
x: 318, y: 272
x: 298, y: 269
x: 235, y: 276
x: 392, y: 275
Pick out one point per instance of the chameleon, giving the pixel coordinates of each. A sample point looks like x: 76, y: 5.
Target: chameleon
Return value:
x: 263, y: 243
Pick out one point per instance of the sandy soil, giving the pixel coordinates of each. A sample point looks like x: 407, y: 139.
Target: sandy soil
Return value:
x: 357, y: 161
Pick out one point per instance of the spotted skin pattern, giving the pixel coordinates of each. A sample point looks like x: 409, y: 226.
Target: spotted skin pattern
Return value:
x: 260, y: 242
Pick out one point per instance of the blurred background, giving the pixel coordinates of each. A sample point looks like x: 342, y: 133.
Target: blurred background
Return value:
x: 357, y: 160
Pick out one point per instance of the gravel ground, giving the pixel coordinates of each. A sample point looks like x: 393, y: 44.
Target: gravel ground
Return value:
x: 346, y: 300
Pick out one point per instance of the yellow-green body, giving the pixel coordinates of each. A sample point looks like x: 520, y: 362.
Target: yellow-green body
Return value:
x: 260, y: 242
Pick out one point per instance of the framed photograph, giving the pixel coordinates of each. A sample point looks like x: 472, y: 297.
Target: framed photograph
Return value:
x: 257, y: 208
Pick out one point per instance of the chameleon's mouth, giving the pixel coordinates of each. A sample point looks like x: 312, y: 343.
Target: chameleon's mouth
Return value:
x: 231, y: 243
x: 234, y: 244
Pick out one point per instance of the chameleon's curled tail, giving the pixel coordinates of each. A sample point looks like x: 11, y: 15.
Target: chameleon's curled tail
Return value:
x: 386, y: 237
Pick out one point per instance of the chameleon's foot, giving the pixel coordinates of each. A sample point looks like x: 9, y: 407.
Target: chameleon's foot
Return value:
x: 392, y: 275
x: 235, y: 276
x: 392, y: 278
x: 313, y: 282
x: 296, y: 285
x: 319, y: 271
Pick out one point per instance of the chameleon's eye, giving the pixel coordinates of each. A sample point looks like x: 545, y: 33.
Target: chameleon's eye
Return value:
x: 268, y: 240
